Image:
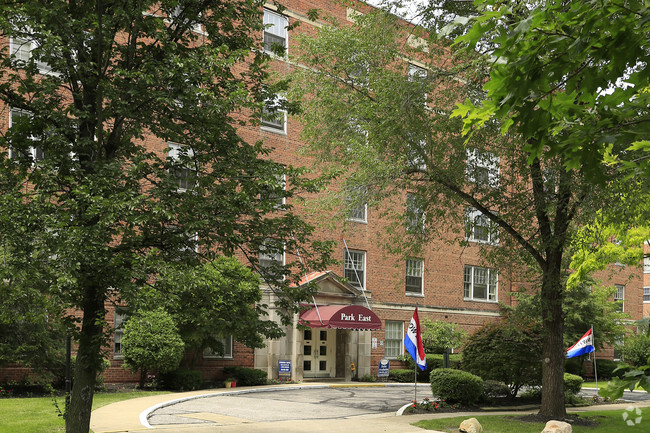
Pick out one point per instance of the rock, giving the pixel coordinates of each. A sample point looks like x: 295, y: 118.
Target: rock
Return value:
x: 470, y: 426
x: 557, y: 427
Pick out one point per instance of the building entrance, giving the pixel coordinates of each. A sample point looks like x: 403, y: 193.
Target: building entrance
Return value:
x: 319, y: 352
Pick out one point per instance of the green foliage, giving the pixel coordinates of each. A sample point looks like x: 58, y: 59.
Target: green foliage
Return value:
x: 575, y: 366
x: 402, y: 375
x: 636, y: 350
x: 151, y: 342
x: 246, y: 376
x: 607, y: 369
x: 493, y: 389
x: 572, y: 383
x: 440, y: 336
x: 456, y: 386
x: 433, y: 361
x: 505, y: 351
x: 367, y: 378
x: 628, y: 378
x: 181, y: 379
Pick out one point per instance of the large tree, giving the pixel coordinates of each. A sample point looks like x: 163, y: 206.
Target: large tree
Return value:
x: 93, y: 200
x: 384, y: 127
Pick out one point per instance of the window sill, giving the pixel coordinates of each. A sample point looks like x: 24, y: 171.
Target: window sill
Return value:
x: 355, y: 220
x: 414, y: 295
x: 274, y: 130
x: 218, y: 358
x: 485, y: 301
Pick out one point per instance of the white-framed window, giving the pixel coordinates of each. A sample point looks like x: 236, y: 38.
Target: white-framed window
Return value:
x: 358, y: 70
x: 480, y: 283
x: 175, y: 17
x: 35, y: 153
x: 482, y: 167
x: 646, y: 294
x: 619, y: 297
x: 226, y: 343
x: 414, y: 277
x: 271, y: 194
x: 21, y: 51
x: 184, y: 167
x: 274, y: 116
x: 646, y: 265
x: 355, y: 205
x: 275, y: 33
x: 479, y: 228
x: 271, y: 254
x: 418, y: 74
x: 393, y: 339
x: 119, y: 317
x: 415, y: 216
x: 354, y: 268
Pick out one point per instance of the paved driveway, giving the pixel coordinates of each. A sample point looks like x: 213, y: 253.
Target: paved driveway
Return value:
x: 288, y: 404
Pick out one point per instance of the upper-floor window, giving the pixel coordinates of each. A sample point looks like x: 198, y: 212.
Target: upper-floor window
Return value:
x: 646, y: 265
x: 355, y: 204
x: 184, y: 167
x: 21, y: 50
x: 418, y: 75
x: 34, y: 153
x: 186, y: 16
x: 275, y: 33
x: 271, y: 256
x: 646, y: 294
x: 274, y: 116
x: 619, y: 297
x: 415, y: 216
x: 480, y: 283
x: 480, y: 228
x: 358, y: 70
x: 354, y: 268
x: 482, y: 168
x: 415, y: 276
x: 274, y: 191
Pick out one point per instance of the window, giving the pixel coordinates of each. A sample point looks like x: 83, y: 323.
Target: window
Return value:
x: 271, y: 256
x: 480, y: 228
x: 414, y: 274
x: 184, y: 167
x: 415, y: 217
x: 358, y: 70
x: 275, y: 33
x: 272, y: 193
x: 182, y: 14
x: 119, y: 317
x: 355, y: 203
x: 354, y: 268
x: 35, y: 153
x: 646, y: 265
x: 274, y: 116
x: 393, y: 339
x: 21, y: 51
x: 226, y: 344
x: 419, y: 75
x: 646, y: 294
x: 619, y: 297
x: 480, y: 284
x: 482, y: 168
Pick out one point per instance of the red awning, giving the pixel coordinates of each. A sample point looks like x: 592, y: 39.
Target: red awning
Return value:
x: 341, y: 317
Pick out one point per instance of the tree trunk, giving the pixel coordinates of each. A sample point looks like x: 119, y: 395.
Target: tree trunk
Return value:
x: 88, y: 363
x: 552, y: 344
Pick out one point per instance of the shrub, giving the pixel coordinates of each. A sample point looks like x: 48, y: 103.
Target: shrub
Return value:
x: 456, y: 386
x: 636, y: 350
x: 605, y: 369
x: 575, y: 366
x: 181, y: 380
x: 494, y: 389
x: 367, y: 378
x: 246, y: 376
x: 507, y: 352
x: 402, y: 375
x: 572, y: 383
x: 433, y: 361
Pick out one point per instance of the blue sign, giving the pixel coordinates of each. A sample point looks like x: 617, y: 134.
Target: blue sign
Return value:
x: 284, y: 367
x: 384, y: 367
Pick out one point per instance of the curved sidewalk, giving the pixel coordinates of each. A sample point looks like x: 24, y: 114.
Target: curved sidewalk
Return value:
x: 130, y: 415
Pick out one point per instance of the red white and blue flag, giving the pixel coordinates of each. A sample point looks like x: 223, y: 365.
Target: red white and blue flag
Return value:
x: 413, y: 342
x: 582, y: 346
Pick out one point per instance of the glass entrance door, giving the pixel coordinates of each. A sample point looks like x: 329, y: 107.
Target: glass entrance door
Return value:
x: 319, y: 352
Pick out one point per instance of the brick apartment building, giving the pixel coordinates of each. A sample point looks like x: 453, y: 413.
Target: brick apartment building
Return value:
x: 363, y: 320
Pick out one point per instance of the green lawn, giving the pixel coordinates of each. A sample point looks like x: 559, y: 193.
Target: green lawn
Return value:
x: 602, y: 384
x: 610, y: 422
x: 39, y: 415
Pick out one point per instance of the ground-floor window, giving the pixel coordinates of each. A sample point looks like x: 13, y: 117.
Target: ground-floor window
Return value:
x: 394, y: 333
x: 226, y: 342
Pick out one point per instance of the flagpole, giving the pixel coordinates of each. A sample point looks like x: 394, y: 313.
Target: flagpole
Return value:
x: 415, y: 384
x: 593, y: 339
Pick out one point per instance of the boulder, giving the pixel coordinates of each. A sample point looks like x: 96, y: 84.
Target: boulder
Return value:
x: 470, y: 426
x: 557, y: 427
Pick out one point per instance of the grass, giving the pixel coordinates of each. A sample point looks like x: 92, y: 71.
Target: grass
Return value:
x: 609, y: 422
x: 39, y: 414
x: 602, y: 383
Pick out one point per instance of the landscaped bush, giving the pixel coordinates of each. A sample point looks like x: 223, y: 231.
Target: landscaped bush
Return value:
x: 456, y: 386
x: 181, y: 380
x: 246, y: 376
x: 402, y: 375
x: 493, y: 389
x: 572, y: 383
x: 575, y: 366
x: 433, y: 361
x: 605, y: 368
x: 636, y: 350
